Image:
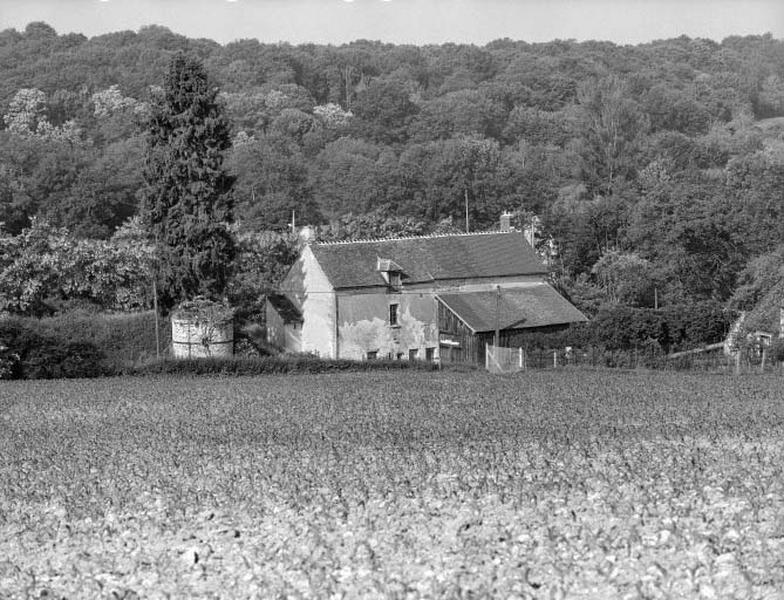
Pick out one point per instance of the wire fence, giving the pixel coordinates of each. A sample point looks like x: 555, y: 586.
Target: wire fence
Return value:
x: 511, y: 360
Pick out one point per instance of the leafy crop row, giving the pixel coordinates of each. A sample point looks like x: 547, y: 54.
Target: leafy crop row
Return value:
x: 409, y: 484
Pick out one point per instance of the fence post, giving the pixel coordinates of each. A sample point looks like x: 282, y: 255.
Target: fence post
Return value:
x: 520, y: 357
x: 555, y: 359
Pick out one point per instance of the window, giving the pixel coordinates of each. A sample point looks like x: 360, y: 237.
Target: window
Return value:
x: 429, y: 354
x: 413, y: 354
x: 394, y: 279
x: 393, y: 315
x: 372, y: 355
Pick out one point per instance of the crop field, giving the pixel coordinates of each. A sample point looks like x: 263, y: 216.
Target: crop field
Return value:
x: 561, y: 484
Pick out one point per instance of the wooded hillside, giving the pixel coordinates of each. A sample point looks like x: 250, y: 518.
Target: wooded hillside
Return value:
x: 657, y: 169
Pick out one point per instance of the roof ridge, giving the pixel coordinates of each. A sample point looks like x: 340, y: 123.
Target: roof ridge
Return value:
x: 410, y: 237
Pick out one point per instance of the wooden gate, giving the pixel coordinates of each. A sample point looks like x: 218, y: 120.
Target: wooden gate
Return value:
x: 504, y: 360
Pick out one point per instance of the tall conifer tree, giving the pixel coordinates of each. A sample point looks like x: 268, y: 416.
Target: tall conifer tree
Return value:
x: 188, y: 201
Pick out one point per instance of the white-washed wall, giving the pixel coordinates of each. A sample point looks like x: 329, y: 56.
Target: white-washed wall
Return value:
x: 318, y: 308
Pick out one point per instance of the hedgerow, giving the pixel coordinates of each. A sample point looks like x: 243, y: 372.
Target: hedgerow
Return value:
x: 617, y: 327
x: 27, y: 354
x: 122, y: 340
x: 272, y: 365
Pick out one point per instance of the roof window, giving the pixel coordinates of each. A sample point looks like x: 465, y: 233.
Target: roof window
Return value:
x: 391, y: 272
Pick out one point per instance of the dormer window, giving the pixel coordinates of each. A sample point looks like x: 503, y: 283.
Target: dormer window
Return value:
x: 391, y: 272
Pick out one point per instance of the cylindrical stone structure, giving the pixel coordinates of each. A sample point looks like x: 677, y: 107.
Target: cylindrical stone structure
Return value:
x: 203, y: 329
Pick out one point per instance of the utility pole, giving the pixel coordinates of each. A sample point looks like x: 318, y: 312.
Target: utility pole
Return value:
x: 497, y: 339
x: 466, y: 207
x: 531, y: 233
x: 155, y: 272
x: 157, y: 325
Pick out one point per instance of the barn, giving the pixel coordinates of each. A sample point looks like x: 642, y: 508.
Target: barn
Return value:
x: 435, y: 298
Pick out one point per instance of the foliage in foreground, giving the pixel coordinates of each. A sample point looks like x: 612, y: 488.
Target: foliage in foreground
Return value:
x: 569, y: 484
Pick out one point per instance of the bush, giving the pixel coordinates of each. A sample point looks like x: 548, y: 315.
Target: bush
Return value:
x: 10, y: 363
x: 578, y: 335
x: 617, y: 328
x: 698, y: 324
x: 124, y: 339
x: 30, y: 355
x: 776, y: 350
x: 58, y: 359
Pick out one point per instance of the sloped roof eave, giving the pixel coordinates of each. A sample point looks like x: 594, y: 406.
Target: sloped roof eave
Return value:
x: 384, y: 284
x: 530, y: 307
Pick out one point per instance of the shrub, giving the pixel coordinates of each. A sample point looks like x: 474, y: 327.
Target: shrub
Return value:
x: 10, y: 363
x: 776, y: 350
x: 30, y: 355
x: 618, y: 327
x: 698, y: 324
x: 58, y: 359
x: 124, y: 339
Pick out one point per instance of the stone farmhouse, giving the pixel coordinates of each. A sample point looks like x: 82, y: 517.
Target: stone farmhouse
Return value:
x: 435, y: 298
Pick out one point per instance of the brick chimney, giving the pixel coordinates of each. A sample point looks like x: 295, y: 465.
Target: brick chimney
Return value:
x: 506, y: 222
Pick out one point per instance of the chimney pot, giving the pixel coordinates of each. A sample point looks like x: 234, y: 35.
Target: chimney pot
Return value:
x: 506, y: 222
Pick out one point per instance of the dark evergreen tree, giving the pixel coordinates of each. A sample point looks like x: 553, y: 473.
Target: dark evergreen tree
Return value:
x: 188, y: 200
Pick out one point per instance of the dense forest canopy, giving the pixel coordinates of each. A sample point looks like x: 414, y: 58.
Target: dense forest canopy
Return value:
x: 656, y: 170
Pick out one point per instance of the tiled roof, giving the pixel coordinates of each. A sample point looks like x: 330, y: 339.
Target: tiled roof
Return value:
x: 429, y: 258
x: 519, y: 308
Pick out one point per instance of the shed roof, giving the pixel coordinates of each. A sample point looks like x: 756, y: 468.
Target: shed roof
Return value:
x: 285, y: 307
x: 519, y: 308
x: 429, y: 258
